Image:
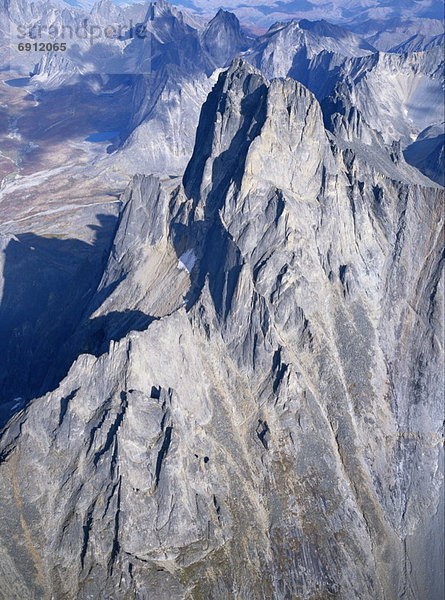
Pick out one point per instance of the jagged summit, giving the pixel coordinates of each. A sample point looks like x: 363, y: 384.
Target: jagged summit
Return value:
x: 272, y: 117
x: 106, y: 9
x: 158, y: 9
x: 223, y: 38
x: 226, y: 16
x: 325, y: 29
x: 283, y: 40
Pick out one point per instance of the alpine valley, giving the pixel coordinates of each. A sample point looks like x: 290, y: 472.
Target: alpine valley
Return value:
x: 221, y: 301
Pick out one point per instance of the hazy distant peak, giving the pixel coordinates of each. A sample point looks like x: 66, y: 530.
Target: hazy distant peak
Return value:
x: 157, y: 9
x: 226, y: 15
x: 223, y: 38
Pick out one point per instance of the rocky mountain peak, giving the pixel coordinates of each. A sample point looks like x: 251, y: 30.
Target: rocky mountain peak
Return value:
x: 225, y: 16
x: 223, y: 38
x: 256, y: 127
x: 287, y: 48
x: 225, y: 110
x: 325, y: 29
x: 106, y: 9
x: 160, y: 9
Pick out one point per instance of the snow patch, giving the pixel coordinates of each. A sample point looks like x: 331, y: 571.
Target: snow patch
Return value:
x: 187, y: 261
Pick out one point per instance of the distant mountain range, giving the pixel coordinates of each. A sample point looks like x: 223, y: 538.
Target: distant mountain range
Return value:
x: 263, y: 14
x: 267, y: 12
x: 171, y: 69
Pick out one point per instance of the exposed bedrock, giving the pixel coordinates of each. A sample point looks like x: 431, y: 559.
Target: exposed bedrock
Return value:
x: 274, y: 429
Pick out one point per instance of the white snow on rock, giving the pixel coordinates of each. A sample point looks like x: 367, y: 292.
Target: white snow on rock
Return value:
x: 187, y: 261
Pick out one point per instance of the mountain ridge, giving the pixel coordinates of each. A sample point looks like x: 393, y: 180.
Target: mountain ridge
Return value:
x: 281, y: 350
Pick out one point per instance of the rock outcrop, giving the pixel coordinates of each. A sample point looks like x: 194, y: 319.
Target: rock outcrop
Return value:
x: 273, y: 429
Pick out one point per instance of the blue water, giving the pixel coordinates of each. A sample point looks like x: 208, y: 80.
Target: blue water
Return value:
x: 21, y: 82
x: 101, y: 136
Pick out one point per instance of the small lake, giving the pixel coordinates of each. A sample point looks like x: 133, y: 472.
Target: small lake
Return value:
x: 20, y: 82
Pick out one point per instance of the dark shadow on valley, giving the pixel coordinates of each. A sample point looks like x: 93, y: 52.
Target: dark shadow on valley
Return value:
x: 49, y: 294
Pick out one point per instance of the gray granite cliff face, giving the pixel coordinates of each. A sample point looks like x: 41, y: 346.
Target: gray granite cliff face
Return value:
x: 273, y: 429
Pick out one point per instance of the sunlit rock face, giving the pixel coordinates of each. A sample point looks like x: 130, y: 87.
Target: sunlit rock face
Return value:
x: 254, y: 411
